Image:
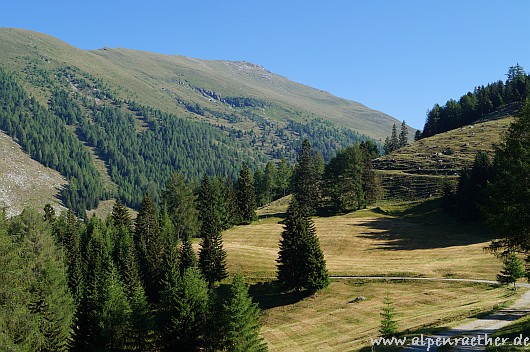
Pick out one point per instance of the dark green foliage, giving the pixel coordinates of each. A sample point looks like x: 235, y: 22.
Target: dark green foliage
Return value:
x: 344, y: 180
x: 389, y: 324
x: 183, y: 313
x: 121, y: 218
x: 350, y: 182
x: 474, y: 105
x: 470, y: 196
x: 179, y: 199
x: 150, y: 246
x: 49, y: 213
x: 403, y: 138
x: 187, y: 256
x: 301, y: 263
x: 36, y: 307
x: 212, y: 256
x: 507, y: 210
x: 306, y: 182
x: 45, y: 138
x: 246, y: 196
x: 240, y: 320
x: 512, y: 270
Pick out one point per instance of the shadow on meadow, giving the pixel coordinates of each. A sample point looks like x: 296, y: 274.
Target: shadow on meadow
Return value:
x: 269, y: 295
x: 422, y: 226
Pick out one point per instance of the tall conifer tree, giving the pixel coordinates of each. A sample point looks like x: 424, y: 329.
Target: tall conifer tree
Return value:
x: 246, y: 196
x: 212, y: 256
x: 306, y: 179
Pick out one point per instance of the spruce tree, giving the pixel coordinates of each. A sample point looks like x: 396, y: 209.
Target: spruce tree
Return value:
x: 183, y: 313
x: 301, y: 263
x: 150, y: 246
x: 240, y: 318
x: 180, y: 202
x: 394, y: 139
x: 512, y: 270
x: 187, y: 257
x: 389, y: 324
x: 507, y: 209
x: 212, y: 256
x: 246, y: 196
x: 403, y: 135
x: 306, y: 184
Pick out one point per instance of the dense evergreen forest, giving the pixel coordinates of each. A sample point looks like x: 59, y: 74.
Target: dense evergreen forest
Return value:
x: 139, y: 145
x: 116, y: 284
x: 482, y: 101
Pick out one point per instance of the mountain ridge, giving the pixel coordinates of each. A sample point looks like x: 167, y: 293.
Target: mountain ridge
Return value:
x: 160, y: 80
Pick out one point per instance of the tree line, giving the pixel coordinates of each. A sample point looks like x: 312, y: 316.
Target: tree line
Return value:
x: 497, y: 193
x: 474, y: 105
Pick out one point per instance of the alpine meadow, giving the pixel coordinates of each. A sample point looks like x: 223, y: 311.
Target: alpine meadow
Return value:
x: 153, y: 202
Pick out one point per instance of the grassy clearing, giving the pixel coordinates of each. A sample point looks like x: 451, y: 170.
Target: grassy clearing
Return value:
x: 408, y: 239
x: 414, y: 239
x: 330, y: 321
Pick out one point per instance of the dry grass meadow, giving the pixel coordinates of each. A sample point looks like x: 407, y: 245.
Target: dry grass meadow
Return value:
x: 415, y: 239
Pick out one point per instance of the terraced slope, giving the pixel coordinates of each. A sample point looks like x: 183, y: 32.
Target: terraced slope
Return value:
x: 417, y: 171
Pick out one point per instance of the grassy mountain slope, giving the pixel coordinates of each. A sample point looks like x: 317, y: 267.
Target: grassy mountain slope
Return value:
x: 25, y: 182
x: 418, y: 170
x: 177, y: 84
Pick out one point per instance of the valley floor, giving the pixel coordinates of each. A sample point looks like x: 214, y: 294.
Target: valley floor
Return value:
x: 414, y: 240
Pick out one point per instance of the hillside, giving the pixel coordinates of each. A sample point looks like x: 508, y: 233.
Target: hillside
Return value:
x: 135, y: 117
x: 178, y: 84
x: 418, y: 170
x: 25, y: 182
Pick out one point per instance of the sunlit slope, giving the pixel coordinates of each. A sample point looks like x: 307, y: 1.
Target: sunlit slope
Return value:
x: 418, y: 170
x: 172, y: 83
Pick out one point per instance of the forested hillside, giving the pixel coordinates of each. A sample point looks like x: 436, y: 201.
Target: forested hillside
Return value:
x: 504, y: 97
x: 111, y: 141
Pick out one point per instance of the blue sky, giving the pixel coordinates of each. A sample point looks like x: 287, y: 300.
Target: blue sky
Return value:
x: 397, y: 56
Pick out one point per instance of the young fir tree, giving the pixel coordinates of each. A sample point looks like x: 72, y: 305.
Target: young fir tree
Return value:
x: 240, y: 323
x: 306, y: 185
x: 183, y: 313
x: 246, y: 196
x: 389, y: 324
x: 212, y: 256
x: 301, y: 263
x: 512, y: 270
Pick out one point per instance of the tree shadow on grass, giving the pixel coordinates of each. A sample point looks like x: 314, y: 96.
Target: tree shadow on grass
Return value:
x: 269, y: 295
x: 424, y: 226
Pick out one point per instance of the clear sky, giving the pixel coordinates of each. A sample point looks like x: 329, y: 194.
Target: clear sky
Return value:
x: 397, y: 56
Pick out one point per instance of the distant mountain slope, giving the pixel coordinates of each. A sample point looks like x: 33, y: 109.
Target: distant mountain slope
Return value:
x: 214, y: 90
x: 117, y: 122
x: 23, y: 181
x: 418, y: 170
